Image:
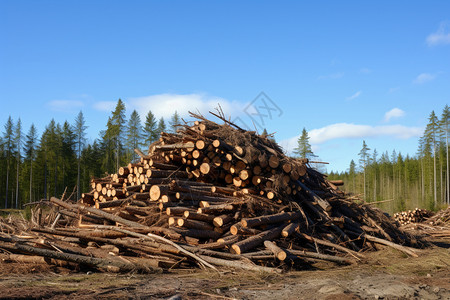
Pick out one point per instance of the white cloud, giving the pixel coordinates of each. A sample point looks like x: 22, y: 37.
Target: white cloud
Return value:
x: 393, y: 113
x: 353, y: 131
x: 354, y: 96
x: 164, y: 105
x: 65, y: 105
x: 332, y: 76
x: 365, y: 70
x: 441, y: 36
x: 106, y: 106
x: 424, y: 77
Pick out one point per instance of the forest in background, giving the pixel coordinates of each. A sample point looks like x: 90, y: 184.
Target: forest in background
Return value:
x: 37, y: 167
x: 400, y: 182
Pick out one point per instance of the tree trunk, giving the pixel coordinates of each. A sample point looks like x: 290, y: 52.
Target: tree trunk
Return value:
x: 31, y: 179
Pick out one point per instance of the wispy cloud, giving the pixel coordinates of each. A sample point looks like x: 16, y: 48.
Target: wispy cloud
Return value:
x: 105, y: 106
x: 393, y: 113
x: 441, y: 36
x: 65, y: 105
x: 354, y: 96
x: 353, y: 131
x: 365, y: 71
x: 424, y: 77
x: 164, y: 105
x: 332, y: 76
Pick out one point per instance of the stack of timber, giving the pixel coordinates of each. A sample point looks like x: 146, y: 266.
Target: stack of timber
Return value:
x: 211, y: 195
x: 416, y: 215
x: 435, y: 226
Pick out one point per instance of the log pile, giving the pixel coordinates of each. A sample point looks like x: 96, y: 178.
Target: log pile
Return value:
x: 436, y: 226
x: 416, y: 215
x: 211, y: 195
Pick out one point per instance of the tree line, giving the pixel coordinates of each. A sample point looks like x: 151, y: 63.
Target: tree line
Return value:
x: 35, y: 167
x: 400, y: 181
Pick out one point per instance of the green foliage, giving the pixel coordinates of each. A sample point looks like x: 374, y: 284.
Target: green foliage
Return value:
x: 303, y: 149
x: 175, y: 121
x: 134, y: 135
x: 161, y: 127
x: 150, y: 134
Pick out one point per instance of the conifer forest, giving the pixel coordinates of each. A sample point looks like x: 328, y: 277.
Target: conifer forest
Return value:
x: 38, y: 165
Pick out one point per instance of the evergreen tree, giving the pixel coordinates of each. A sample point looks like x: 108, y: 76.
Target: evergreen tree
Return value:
x: 363, y: 161
x: 80, y: 132
x: 352, y: 172
x: 431, y: 136
x: 175, y: 121
x: 30, y: 154
x: 150, y: 126
x: 161, y: 127
x: 303, y: 149
x: 18, y: 143
x: 118, y: 124
x: 107, y: 147
x: 8, y: 142
x: 444, y: 124
x: 134, y: 134
x: 68, y: 157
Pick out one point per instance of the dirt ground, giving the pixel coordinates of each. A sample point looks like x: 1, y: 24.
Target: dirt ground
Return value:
x: 387, y: 274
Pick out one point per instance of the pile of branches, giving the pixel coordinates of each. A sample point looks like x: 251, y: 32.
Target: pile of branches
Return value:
x: 416, y: 215
x: 441, y: 218
x: 211, y: 195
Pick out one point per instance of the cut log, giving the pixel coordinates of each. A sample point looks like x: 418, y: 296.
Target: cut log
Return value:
x: 256, y: 240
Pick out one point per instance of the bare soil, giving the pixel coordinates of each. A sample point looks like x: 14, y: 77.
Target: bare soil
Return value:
x: 387, y: 274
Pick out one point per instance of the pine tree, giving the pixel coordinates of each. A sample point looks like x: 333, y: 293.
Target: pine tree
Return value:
x: 80, y: 132
x: 150, y: 133
x: 303, y: 149
x: 161, y: 127
x: 30, y: 154
x: 175, y: 121
x: 134, y: 134
x: 118, y: 122
x: 444, y: 124
x: 18, y: 143
x: 8, y: 137
x: 107, y: 147
x: 364, y: 161
x: 431, y: 135
x: 352, y: 172
x: 68, y: 156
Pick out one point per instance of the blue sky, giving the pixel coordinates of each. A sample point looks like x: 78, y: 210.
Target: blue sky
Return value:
x: 347, y: 71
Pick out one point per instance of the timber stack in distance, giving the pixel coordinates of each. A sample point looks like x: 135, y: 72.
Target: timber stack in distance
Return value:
x: 217, y: 195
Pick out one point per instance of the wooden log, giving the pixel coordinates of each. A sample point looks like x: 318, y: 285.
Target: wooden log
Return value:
x: 195, y: 224
x: 238, y: 229
x: 325, y: 205
x: 290, y: 229
x: 279, y: 253
x: 102, y: 263
x: 197, y: 216
x: 199, y: 234
x: 189, y: 146
x: 166, y: 173
x: 256, y: 240
x: 222, y: 220
x: 215, y: 208
x: 270, y: 219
